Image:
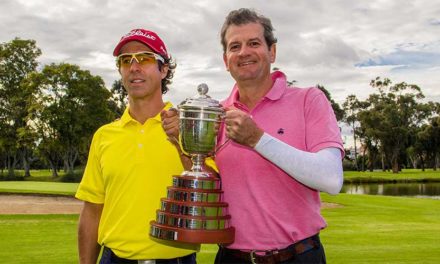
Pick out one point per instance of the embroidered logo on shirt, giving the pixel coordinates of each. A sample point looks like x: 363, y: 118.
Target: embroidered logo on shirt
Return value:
x: 280, y: 131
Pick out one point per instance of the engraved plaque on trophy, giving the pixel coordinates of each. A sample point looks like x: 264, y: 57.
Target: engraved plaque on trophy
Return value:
x: 193, y: 211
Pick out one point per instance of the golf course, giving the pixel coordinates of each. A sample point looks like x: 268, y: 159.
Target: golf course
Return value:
x: 361, y: 228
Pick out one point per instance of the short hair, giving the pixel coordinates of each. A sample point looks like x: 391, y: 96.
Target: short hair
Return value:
x: 244, y: 16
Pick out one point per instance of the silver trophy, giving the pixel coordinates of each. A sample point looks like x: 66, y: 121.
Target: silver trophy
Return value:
x: 193, y: 211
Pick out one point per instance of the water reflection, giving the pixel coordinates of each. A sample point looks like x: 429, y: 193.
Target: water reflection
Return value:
x: 430, y: 190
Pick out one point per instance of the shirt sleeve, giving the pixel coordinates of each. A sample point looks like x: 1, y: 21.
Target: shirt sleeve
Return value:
x: 91, y: 187
x: 322, y: 130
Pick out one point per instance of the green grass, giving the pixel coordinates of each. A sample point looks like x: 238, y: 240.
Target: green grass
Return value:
x: 38, y: 239
x: 382, y: 229
x: 375, y: 229
x: 57, y: 188
x: 407, y: 175
x: 41, y: 175
x: 364, y: 229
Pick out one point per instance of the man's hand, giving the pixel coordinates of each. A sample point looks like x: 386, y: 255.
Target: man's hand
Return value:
x: 241, y: 128
x: 170, y: 124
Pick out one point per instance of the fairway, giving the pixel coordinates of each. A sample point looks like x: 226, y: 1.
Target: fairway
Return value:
x: 58, y: 188
x: 382, y: 229
x: 363, y: 229
x: 38, y: 239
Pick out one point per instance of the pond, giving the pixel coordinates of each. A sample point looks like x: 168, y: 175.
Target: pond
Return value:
x: 425, y: 190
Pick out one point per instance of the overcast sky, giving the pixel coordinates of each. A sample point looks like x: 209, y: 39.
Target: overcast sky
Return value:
x: 341, y: 45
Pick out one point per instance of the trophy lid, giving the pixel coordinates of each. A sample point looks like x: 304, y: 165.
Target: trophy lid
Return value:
x: 201, y: 100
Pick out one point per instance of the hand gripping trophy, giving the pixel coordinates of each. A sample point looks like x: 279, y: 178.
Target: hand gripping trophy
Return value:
x: 193, y: 211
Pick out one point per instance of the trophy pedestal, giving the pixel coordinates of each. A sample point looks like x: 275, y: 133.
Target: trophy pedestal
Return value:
x: 225, y: 236
x: 193, y: 212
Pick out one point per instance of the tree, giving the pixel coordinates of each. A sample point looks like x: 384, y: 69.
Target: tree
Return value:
x: 351, y: 108
x: 119, y: 97
x: 70, y: 106
x: 425, y: 140
x: 391, y: 114
x: 17, y: 61
x: 430, y: 135
x: 39, y: 120
x: 339, y: 113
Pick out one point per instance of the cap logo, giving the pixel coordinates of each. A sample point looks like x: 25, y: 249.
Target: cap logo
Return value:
x: 140, y: 33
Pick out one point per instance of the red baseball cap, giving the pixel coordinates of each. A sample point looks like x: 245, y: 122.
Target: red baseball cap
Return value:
x: 149, y: 38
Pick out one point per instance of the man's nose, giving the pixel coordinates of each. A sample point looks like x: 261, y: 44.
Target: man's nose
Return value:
x: 134, y: 65
x: 244, y: 50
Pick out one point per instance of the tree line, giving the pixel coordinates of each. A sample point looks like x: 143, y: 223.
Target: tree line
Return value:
x: 48, y: 116
x: 395, y: 127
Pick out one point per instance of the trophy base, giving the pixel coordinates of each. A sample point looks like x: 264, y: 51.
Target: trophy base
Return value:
x: 222, y: 236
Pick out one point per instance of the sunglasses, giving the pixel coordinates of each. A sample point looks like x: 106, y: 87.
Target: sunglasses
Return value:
x: 142, y: 58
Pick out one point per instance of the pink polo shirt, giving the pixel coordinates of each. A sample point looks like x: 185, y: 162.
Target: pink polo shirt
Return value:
x: 269, y: 208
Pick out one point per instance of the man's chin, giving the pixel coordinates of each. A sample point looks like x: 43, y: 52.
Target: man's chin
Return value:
x: 245, y: 77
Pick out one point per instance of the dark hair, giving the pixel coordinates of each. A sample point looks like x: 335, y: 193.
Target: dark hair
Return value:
x: 244, y: 16
x: 168, y: 79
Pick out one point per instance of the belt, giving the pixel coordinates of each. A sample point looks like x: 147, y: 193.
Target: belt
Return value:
x: 115, y: 259
x: 277, y: 255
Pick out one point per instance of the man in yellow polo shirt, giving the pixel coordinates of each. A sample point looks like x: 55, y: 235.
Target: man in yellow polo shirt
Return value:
x: 131, y: 162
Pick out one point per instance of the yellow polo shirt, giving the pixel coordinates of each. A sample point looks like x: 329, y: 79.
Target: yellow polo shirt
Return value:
x: 128, y: 170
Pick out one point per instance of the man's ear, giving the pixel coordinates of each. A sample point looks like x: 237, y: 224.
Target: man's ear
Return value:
x: 164, y: 71
x: 225, y: 60
x: 273, y: 53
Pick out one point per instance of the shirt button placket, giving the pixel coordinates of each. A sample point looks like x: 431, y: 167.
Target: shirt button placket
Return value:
x: 140, y: 145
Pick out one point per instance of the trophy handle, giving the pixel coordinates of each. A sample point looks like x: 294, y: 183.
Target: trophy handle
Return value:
x: 222, y: 121
x: 179, y: 141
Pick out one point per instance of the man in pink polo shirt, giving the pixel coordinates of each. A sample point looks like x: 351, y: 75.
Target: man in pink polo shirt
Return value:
x: 282, y: 146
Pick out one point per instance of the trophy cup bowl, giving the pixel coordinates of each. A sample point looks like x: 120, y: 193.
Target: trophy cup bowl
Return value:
x: 193, y: 211
x: 197, y: 130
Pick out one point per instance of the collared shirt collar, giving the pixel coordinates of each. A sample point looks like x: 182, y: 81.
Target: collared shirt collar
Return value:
x: 126, y: 117
x: 278, y: 87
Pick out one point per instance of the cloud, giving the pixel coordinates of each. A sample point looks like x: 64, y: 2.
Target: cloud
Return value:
x: 434, y: 21
x: 404, y: 60
x: 340, y: 44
